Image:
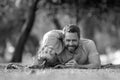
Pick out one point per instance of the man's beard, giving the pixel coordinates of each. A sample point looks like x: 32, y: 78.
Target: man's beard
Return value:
x: 71, y: 48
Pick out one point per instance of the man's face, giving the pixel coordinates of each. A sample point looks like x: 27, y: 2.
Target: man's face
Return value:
x: 71, y: 41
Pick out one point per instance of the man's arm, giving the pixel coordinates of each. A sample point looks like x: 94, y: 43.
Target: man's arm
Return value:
x: 93, y: 56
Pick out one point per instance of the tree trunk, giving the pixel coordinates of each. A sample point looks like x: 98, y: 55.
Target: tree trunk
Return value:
x: 77, y: 12
x: 56, y: 23
x: 55, y: 20
x: 17, y: 57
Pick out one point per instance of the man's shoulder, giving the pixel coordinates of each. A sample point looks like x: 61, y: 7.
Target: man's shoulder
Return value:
x: 85, y: 41
x: 88, y: 44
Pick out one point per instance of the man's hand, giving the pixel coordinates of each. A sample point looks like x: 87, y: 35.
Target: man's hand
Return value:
x: 71, y: 64
x: 74, y: 64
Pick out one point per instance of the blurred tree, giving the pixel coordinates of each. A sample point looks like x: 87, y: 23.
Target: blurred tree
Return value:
x: 91, y: 23
x: 92, y: 12
x: 10, y: 17
x: 17, y: 57
x: 14, y: 14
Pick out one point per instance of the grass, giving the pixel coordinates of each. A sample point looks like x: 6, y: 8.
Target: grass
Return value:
x: 59, y: 74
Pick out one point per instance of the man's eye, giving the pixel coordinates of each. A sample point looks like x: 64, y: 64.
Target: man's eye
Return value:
x: 68, y: 40
x: 74, y: 40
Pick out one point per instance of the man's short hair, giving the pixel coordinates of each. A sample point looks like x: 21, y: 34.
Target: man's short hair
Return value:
x: 72, y: 28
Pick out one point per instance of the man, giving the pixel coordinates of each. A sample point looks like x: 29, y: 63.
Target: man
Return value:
x: 64, y: 48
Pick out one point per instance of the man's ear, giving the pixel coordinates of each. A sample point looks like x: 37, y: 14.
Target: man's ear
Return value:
x: 63, y: 39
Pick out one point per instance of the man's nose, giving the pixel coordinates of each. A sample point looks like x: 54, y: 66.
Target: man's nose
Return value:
x: 71, y: 43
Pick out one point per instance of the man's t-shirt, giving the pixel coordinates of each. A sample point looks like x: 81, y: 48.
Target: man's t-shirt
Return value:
x: 81, y: 55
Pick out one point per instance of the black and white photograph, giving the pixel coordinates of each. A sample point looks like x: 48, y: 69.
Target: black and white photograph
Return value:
x: 59, y: 39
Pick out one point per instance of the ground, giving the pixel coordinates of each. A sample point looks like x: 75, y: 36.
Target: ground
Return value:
x: 59, y: 74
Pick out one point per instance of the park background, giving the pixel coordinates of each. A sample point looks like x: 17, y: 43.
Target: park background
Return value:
x: 24, y: 22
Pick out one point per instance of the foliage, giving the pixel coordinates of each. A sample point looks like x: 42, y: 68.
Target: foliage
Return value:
x: 10, y: 17
x: 13, y: 16
x: 96, y: 15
